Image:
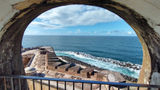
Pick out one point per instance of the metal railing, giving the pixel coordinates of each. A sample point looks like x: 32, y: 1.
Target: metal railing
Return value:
x: 47, y: 81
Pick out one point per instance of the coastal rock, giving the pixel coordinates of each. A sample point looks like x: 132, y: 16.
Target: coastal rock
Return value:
x: 113, y: 76
x: 30, y: 71
x: 130, y: 78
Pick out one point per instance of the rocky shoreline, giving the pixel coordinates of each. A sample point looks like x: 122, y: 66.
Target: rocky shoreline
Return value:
x: 72, y: 60
x: 119, y: 63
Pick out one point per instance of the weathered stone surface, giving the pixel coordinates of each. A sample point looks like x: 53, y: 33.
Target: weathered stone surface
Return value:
x: 113, y: 76
x: 155, y: 79
x: 63, y: 68
x: 26, y: 59
x: 30, y: 71
x: 87, y: 72
x: 142, y: 15
x: 51, y: 55
x: 74, y: 70
x: 99, y: 76
x: 54, y: 65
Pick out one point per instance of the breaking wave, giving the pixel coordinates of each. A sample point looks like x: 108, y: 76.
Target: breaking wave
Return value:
x: 126, y: 68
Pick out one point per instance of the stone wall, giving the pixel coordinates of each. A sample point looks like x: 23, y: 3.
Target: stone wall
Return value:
x: 142, y: 15
x: 26, y: 59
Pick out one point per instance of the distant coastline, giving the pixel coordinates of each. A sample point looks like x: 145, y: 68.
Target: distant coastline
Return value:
x: 82, y: 35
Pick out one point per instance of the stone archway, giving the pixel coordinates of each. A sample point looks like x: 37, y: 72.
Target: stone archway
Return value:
x: 23, y: 12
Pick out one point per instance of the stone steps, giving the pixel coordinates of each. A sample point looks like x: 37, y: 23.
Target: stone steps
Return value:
x: 51, y: 54
x: 53, y: 65
x: 63, y: 68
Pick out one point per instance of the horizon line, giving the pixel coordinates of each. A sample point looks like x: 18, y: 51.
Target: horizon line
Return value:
x: 82, y: 35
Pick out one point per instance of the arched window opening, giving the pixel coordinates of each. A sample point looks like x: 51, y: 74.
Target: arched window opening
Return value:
x: 86, y: 37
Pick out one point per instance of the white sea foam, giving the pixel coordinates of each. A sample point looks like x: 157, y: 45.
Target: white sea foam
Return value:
x: 126, y: 68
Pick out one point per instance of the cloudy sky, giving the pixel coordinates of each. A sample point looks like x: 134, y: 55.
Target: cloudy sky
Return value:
x: 79, y: 20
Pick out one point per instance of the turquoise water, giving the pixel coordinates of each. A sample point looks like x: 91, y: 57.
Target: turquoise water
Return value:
x: 99, y: 51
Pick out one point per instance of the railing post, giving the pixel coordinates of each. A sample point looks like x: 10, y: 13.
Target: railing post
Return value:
x: 91, y: 86
x: 33, y: 85
x: 48, y: 84
x: 99, y: 86
x: 41, y: 84
x: 118, y: 88
x: 12, y: 86
x: 65, y: 85
x: 127, y: 87
x: 82, y: 86
x: 19, y: 83
x: 57, y: 85
x: 109, y: 87
x: 73, y: 86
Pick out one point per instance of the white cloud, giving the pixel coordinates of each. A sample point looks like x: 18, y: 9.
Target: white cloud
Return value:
x: 121, y: 33
x: 74, y: 15
x: 44, y: 25
x: 129, y: 32
x: 108, y: 33
x: 78, y: 31
x: 32, y: 32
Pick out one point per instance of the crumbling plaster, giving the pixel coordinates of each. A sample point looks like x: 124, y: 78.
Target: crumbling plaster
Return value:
x: 150, y: 9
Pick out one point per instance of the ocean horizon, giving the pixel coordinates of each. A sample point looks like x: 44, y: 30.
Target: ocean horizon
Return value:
x: 106, y: 52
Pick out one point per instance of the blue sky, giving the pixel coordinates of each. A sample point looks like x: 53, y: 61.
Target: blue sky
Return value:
x: 79, y: 20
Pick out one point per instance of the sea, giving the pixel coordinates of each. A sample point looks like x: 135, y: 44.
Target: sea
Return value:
x: 106, y: 52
